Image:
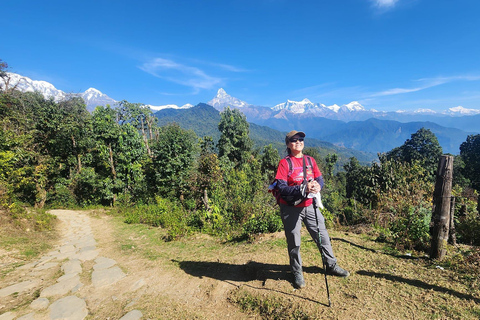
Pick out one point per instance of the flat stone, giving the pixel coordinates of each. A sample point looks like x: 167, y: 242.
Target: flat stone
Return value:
x: 45, y: 259
x: 18, y: 287
x: 52, y: 253
x: 132, y: 315
x: 7, y: 316
x: 86, y: 248
x: 71, y: 308
x: 86, y: 241
x: 72, y: 266
x: 66, y: 277
x: 62, y: 256
x: 137, y: 285
x: 61, y: 288
x: 67, y: 248
x: 29, y: 316
x: 103, y: 263
x: 28, y: 265
x: 86, y: 255
x: 46, y: 266
x: 77, y: 287
x: 39, y: 304
x: 106, y: 277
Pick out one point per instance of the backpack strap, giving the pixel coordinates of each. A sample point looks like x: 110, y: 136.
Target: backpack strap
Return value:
x: 309, y: 159
x: 290, y: 165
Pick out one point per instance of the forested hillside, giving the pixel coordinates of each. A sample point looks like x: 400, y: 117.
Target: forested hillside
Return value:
x: 203, y: 119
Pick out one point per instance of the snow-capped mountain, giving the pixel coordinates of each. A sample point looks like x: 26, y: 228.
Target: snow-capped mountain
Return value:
x: 462, y: 111
x: 92, y: 96
x: 296, y: 106
x: 306, y: 106
x: 354, y: 106
x: 222, y: 100
x: 170, y: 106
x: 28, y: 85
x: 286, y: 110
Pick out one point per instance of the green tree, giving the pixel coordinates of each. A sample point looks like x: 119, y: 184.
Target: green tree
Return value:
x: 269, y: 161
x: 423, y: 146
x: 470, y: 153
x: 234, y: 143
x: 353, y: 171
x: 118, y: 154
x: 140, y: 116
x: 174, y: 155
x: 330, y: 161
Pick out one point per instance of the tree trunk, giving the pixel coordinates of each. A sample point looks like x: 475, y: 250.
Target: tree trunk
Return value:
x: 145, y: 138
x: 205, y: 200
x: 79, y: 159
x: 441, y: 206
x: 112, y: 164
x: 452, y: 239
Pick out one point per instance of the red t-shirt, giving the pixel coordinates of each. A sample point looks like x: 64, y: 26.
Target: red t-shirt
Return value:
x: 296, y: 175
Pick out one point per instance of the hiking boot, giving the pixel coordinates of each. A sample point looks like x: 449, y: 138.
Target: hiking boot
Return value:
x: 337, y: 271
x: 298, y: 281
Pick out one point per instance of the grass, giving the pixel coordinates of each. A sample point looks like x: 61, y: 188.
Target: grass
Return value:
x: 254, y: 278
x: 384, y: 283
x: 20, y: 243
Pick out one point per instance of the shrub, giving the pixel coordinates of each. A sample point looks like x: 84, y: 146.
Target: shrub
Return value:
x: 163, y: 214
x: 263, y: 222
x: 411, y: 227
x: 61, y: 197
x: 86, y: 187
x: 468, y: 224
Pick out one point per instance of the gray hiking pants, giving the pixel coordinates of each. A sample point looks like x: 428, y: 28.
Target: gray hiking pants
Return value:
x: 292, y: 218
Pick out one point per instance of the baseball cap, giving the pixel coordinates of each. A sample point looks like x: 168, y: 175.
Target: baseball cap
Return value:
x: 292, y: 133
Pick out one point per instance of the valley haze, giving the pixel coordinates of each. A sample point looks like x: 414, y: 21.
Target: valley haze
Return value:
x: 349, y: 125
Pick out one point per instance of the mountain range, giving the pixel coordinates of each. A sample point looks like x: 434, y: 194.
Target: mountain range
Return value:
x: 349, y: 125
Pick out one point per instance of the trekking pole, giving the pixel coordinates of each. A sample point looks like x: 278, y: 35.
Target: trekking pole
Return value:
x: 321, y: 252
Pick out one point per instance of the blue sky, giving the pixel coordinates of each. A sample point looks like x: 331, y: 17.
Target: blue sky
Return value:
x: 387, y: 54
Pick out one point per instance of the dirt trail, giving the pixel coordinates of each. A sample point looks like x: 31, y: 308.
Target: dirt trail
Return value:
x: 87, y: 276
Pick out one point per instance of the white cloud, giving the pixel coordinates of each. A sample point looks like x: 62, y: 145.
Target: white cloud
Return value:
x: 182, y: 74
x: 425, y: 84
x: 384, y: 4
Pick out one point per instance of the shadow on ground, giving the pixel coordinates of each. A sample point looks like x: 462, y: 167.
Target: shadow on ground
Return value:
x: 244, y: 273
x: 376, y: 251
x: 240, y: 272
x: 419, y: 284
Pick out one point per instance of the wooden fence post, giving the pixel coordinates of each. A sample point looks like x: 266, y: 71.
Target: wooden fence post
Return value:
x: 441, y: 207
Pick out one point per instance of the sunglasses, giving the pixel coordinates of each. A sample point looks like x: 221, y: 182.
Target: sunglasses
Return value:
x: 296, y: 139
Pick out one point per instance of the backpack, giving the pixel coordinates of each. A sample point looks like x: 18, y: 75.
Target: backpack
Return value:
x: 273, y: 187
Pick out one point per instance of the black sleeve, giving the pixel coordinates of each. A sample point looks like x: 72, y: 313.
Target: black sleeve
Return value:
x: 286, y: 190
x: 320, y: 181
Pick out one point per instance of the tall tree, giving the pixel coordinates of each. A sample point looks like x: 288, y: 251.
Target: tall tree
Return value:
x: 234, y: 142
x: 140, y: 116
x: 470, y: 154
x: 173, y: 159
x: 269, y: 161
x: 423, y: 147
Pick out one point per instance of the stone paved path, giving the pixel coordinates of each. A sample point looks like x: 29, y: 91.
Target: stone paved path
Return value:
x: 63, y: 300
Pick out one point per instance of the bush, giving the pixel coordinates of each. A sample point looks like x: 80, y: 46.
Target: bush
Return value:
x: 468, y: 224
x: 61, y: 197
x: 86, y: 187
x: 411, y: 227
x: 163, y: 214
x: 263, y: 222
